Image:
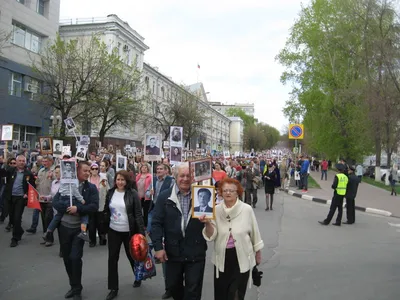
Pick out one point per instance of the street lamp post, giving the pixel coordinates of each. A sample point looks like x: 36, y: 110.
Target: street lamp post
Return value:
x: 55, y: 122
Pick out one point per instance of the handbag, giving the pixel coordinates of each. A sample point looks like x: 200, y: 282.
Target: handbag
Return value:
x: 257, y: 275
x: 145, y: 269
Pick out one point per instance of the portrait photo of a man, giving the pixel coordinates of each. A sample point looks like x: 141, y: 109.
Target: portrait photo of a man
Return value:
x: 15, y: 145
x: 6, y: 132
x: 81, y: 153
x: 70, y: 124
x: 176, y: 134
x: 153, y: 147
x: 57, y: 147
x: 203, y: 201
x: 45, y: 144
x: 176, y: 154
x: 68, y: 171
x: 121, y: 163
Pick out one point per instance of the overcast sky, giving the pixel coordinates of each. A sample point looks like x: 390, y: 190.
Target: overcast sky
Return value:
x: 234, y: 42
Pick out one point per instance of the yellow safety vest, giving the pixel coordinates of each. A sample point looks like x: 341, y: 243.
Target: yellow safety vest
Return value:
x: 342, y: 184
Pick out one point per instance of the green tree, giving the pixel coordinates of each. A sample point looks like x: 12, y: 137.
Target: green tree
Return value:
x: 324, y: 61
x: 238, y: 112
x: 72, y: 72
x: 116, y: 102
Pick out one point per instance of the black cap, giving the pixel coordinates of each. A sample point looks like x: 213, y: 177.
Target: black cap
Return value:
x: 353, y: 168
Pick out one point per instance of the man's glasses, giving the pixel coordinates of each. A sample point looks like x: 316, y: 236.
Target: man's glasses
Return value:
x: 229, y: 191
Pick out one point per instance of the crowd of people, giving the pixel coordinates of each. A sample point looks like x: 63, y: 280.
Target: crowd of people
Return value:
x: 109, y: 207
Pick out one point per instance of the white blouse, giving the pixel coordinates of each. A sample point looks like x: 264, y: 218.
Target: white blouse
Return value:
x: 119, y: 218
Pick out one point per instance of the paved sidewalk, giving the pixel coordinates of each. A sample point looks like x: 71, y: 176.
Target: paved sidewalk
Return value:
x: 369, y: 198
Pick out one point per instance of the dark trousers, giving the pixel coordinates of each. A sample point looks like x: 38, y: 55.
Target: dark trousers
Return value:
x: 248, y: 194
x: 46, y: 214
x: 16, y: 211
x: 193, y: 273
x: 231, y: 284
x: 72, y: 251
x: 145, y: 208
x: 337, y: 202
x: 351, y: 210
x: 324, y: 173
x: 6, y: 209
x: 96, y: 223
x: 115, y: 240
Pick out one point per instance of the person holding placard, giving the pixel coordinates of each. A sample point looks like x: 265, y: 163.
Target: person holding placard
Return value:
x: 237, y: 242
x: 178, y: 240
x: 70, y: 228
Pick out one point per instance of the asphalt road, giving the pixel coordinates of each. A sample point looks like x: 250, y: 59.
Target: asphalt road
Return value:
x: 302, y: 260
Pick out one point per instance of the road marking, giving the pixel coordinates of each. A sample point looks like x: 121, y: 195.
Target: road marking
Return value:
x: 394, y: 225
x: 378, y: 212
x: 307, y: 197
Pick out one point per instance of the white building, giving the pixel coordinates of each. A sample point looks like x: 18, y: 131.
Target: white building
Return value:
x: 248, y: 108
x: 236, y: 134
x: 117, y: 33
x: 25, y: 27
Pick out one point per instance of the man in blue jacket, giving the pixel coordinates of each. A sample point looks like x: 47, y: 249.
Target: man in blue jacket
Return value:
x: 185, y: 247
x: 70, y: 228
x: 161, y: 183
x: 304, y: 173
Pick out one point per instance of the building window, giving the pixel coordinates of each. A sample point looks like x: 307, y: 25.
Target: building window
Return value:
x: 146, y: 82
x: 40, y: 7
x: 15, y: 85
x: 154, y: 86
x: 162, y: 92
x: 27, y: 39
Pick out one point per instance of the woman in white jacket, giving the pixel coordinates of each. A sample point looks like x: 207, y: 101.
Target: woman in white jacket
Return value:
x: 237, y: 242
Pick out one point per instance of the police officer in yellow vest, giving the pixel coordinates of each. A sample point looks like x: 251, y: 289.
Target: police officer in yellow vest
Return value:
x: 339, y: 185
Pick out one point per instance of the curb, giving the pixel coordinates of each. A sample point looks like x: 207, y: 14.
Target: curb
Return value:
x: 324, y: 201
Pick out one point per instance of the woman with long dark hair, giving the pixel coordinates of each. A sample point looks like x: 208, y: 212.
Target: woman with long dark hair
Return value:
x: 125, y: 217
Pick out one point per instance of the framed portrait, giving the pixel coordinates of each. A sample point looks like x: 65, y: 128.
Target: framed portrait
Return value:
x: 46, y: 145
x: 107, y: 156
x: 25, y: 145
x: 70, y: 124
x: 33, y: 157
x: 200, y: 169
x: 84, y: 140
x: 66, y: 150
x: 3, y: 144
x: 175, y: 154
x: 81, y: 153
x: 7, y: 132
x: 97, y: 144
x: 152, y: 147
x: 203, y: 201
x: 37, y: 146
x: 110, y: 148
x: 15, y: 146
x: 121, y: 163
x: 58, y: 147
x: 189, y: 155
x: 176, y: 135
x: 68, y: 171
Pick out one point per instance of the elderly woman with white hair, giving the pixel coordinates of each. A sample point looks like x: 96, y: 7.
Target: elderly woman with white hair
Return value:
x: 237, y: 242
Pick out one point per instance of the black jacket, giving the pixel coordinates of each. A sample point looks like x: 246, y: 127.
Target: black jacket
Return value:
x: 352, y: 186
x: 89, y: 193
x: 167, y: 224
x: 133, y: 209
x: 10, y: 175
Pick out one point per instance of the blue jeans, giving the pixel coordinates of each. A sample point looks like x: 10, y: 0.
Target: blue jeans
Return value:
x: 324, y: 172
x: 35, y: 219
x: 304, y: 181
